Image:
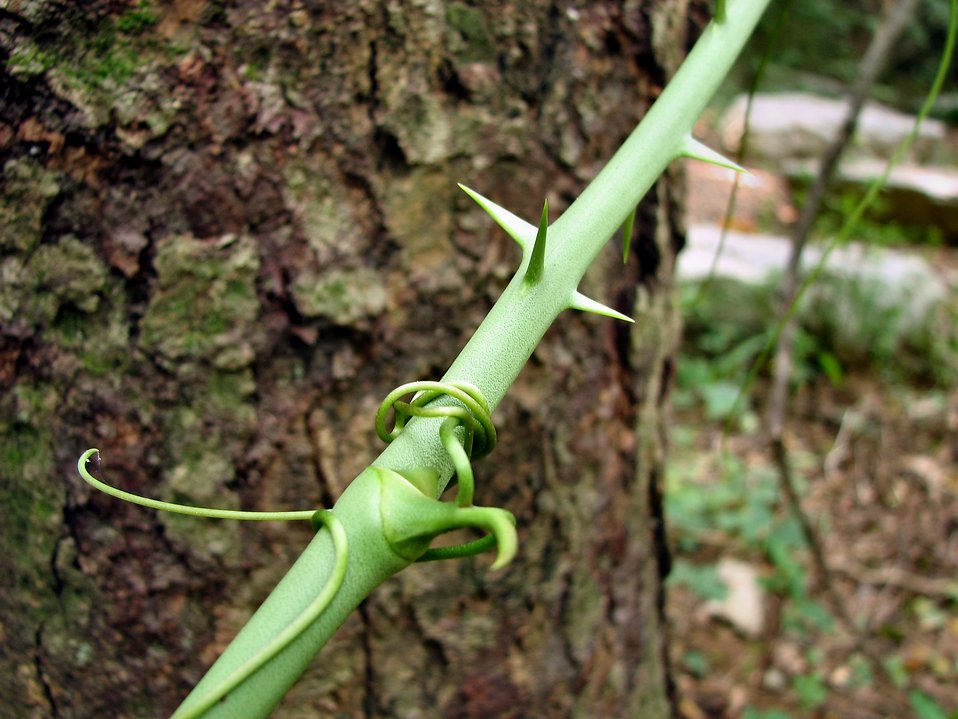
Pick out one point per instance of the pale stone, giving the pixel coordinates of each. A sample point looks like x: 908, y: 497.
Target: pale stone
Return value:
x: 744, y: 605
x: 801, y: 125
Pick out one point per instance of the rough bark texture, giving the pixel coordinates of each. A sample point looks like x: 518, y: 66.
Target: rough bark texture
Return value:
x: 229, y: 229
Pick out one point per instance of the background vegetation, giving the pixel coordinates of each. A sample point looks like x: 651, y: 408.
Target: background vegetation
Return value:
x: 871, y: 441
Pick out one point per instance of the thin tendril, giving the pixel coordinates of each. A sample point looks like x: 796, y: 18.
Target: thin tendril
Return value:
x: 474, y: 415
x: 292, y: 630
x: 319, y: 518
x: 210, y: 513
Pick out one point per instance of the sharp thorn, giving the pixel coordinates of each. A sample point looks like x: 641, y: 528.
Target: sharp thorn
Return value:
x: 518, y: 229
x: 698, y: 151
x: 586, y: 304
x: 537, y: 260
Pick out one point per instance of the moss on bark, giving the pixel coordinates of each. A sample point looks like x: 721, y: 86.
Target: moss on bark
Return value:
x: 190, y: 193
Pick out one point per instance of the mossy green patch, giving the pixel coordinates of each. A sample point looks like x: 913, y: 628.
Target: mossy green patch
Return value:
x: 417, y: 214
x: 66, y: 277
x: 30, y: 501
x: 203, y: 436
x: 324, y: 211
x: 92, y: 61
x: 470, y: 24
x: 67, y: 273
x: 204, y: 305
x: 28, y: 189
x: 116, y: 48
x: 137, y: 19
x: 28, y: 59
x: 343, y: 296
x: 99, y: 339
x: 228, y: 395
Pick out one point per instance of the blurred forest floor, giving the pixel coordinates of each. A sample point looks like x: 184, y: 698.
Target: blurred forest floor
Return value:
x: 875, y: 451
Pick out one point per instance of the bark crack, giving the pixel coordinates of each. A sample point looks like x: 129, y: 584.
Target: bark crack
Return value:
x: 663, y: 560
x: 41, y: 674
x: 563, y: 604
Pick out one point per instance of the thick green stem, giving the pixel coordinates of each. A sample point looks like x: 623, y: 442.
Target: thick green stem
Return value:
x: 491, y: 360
x: 503, y: 343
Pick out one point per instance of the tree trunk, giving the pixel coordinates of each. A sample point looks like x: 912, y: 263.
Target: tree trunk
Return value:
x: 228, y: 230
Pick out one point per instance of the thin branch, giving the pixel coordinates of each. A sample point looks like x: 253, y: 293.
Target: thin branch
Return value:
x: 875, y: 60
x: 938, y: 587
x: 879, y: 51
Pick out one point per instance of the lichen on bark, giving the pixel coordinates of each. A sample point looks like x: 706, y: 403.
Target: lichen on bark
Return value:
x: 188, y: 199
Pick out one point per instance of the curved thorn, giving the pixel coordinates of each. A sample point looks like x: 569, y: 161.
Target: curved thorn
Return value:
x: 587, y: 304
x: 518, y: 229
x: 503, y: 528
x: 698, y: 151
x: 500, y: 523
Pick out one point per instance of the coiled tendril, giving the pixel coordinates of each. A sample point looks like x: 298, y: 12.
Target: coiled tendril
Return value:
x: 475, y: 438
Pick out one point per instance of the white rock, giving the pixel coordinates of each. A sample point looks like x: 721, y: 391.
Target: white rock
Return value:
x: 913, y: 195
x: 799, y: 125
x: 901, y: 280
x: 744, y: 605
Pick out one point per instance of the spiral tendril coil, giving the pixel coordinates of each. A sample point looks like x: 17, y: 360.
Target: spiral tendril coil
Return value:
x: 478, y: 435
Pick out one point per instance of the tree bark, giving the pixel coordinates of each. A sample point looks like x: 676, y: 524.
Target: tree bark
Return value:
x: 228, y: 230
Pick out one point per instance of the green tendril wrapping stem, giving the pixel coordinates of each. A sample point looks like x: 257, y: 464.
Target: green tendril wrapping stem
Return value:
x: 392, y: 510
x: 293, y: 630
x: 478, y: 435
x: 467, y: 433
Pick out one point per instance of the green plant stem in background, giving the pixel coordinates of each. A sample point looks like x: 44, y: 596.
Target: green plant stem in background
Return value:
x: 851, y: 223
x: 380, y: 510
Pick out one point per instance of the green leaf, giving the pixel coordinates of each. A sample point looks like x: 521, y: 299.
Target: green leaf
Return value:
x: 895, y: 667
x: 811, y: 690
x: 925, y: 707
x: 831, y: 367
x: 720, y: 399
x: 696, y: 663
x: 702, y: 580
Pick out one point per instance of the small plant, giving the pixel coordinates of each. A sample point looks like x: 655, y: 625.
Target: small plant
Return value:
x: 388, y: 516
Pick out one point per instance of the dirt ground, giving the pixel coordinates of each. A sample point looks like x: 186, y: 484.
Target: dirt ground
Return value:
x: 877, y: 466
x: 881, y: 489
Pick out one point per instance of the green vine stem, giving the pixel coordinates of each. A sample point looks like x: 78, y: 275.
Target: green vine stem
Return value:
x: 391, y: 512
x: 410, y: 517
